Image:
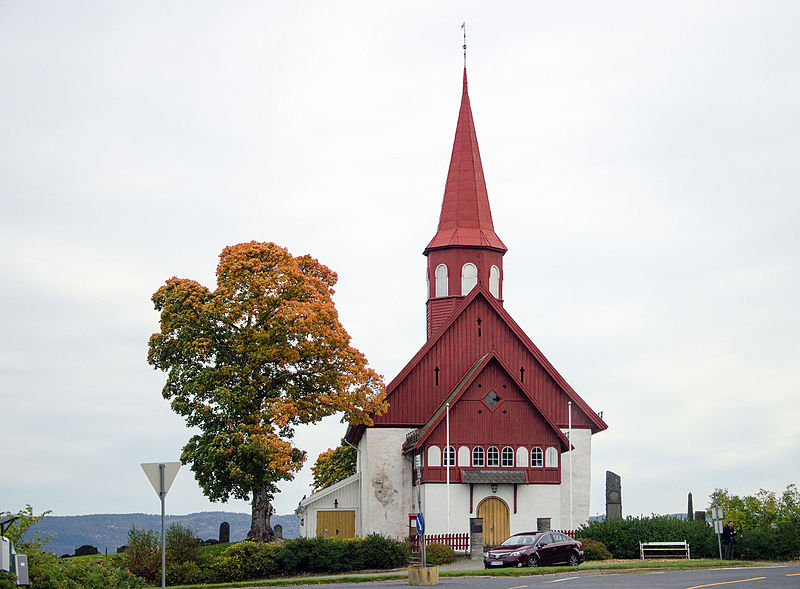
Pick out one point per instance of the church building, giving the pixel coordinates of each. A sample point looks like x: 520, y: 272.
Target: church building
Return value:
x: 497, y: 431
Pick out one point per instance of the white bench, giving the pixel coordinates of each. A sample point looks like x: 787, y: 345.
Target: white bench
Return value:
x: 664, y: 550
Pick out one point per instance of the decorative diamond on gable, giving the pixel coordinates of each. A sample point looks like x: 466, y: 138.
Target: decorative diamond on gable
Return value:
x: 492, y: 399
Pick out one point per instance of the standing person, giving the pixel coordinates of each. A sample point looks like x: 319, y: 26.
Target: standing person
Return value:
x: 729, y: 539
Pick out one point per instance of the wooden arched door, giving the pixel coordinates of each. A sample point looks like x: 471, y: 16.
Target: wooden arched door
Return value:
x: 494, y: 512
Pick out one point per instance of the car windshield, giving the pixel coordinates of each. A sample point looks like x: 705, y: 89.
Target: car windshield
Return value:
x: 520, y: 540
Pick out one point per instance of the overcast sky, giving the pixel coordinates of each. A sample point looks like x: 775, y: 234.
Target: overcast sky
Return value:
x: 642, y: 166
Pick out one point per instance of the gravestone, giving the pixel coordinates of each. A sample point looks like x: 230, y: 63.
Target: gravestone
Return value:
x: 122, y: 549
x: 700, y: 516
x: 224, y: 533
x: 613, y: 495
x: 86, y: 550
x: 278, y: 529
x: 476, y: 538
x: 690, y: 509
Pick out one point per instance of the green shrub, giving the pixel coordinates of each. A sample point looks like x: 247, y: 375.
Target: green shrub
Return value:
x: 189, y: 573
x: 248, y: 560
x: 778, y: 543
x: 181, y: 545
x: 594, y: 549
x: 7, y: 580
x: 47, y: 571
x: 436, y: 554
x: 622, y: 536
x: 143, y: 556
x: 380, y: 552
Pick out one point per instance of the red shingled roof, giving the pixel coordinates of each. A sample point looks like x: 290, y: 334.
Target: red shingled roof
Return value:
x: 465, y: 220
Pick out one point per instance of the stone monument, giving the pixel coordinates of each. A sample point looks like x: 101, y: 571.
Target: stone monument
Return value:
x: 476, y: 538
x: 613, y: 495
x: 224, y: 533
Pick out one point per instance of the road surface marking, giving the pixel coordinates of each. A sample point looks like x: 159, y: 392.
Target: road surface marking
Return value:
x: 564, y: 579
x: 727, y: 582
x: 519, y: 587
x: 792, y: 574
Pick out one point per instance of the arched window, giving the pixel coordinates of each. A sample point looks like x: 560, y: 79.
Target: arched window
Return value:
x: 463, y: 456
x: 449, y: 456
x: 441, y: 281
x: 537, y: 457
x: 434, y: 456
x: 508, y: 456
x: 492, y: 456
x: 522, y: 457
x: 551, y: 458
x: 477, y: 456
x: 494, y: 281
x: 469, y: 278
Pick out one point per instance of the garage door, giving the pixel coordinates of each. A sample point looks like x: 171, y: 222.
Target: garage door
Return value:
x: 336, y: 524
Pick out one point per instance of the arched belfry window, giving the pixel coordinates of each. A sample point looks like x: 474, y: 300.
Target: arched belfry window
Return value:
x: 434, y: 456
x: 469, y: 278
x: 494, y: 281
x: 551, y: 458
x: 441, y: 281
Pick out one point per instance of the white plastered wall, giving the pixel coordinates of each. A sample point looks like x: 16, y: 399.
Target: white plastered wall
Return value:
x: 533, y: 501
x: 385, y: 482
x: 581, y: 471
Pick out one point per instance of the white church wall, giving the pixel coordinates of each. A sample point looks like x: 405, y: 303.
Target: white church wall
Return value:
x: 385, y: 483
x: 533, y: 501
x: 581, y: 470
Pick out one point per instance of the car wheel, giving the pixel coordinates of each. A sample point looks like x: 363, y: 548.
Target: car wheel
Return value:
x: 533, y: 561
x: 573, y: 560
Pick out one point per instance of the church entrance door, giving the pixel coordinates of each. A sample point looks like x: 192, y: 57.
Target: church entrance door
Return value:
x: 336, y: 524
x: 494, y: 512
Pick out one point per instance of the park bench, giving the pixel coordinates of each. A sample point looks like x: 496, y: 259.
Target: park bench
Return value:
x: 664, y: 549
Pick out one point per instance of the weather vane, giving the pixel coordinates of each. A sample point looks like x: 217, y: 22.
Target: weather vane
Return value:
x: 464, y: 28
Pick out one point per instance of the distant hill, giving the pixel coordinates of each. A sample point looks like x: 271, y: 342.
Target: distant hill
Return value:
x: 110, y: 531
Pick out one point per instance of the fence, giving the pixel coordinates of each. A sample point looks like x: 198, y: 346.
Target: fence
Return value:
x: 458, y: 542
x: 570, y: 533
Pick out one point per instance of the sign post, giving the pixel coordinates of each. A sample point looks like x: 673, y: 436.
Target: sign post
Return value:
x: 161, y: 476
x: 420, y: 518
x: 717, y: 515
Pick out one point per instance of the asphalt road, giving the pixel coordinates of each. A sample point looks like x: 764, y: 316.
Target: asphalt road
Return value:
x: 778, y: 576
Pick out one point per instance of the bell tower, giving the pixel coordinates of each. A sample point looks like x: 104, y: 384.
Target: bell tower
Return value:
x: 465, y: 251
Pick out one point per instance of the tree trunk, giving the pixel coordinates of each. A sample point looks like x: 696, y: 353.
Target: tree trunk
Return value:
x: 260, y: 530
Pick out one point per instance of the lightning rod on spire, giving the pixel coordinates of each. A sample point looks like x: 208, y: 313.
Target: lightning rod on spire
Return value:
x: 464, y: 28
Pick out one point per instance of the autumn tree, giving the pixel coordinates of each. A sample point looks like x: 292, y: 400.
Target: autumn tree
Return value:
x: 250, y: 361
x: 334, y: 465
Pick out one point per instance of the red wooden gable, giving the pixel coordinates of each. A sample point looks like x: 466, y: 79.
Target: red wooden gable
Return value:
x: 491, y: 406
x: 479, y: 326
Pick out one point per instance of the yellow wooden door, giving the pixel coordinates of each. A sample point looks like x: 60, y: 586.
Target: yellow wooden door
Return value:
x: 494, y: 512
x: 336, y: 524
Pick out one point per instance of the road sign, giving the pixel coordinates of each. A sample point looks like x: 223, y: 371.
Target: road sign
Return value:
x: 161, y: 475
x: 153, y: 472
x: 420, y: 524
x: 716, y: 513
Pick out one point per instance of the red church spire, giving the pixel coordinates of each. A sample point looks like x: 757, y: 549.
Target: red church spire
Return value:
x: 465, y: 252
x: 465, y: 220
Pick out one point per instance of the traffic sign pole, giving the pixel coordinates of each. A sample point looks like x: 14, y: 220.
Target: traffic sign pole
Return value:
x: 162, y: 493
x: 161, y: 475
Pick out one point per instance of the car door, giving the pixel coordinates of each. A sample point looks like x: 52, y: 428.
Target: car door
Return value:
x: 546, y: 549
x: 561, y: 548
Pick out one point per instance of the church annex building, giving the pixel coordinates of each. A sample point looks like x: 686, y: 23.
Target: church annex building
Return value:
x: 509, y: 410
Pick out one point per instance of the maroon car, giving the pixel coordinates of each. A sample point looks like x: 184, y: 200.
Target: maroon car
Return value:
x: 535, y: 549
